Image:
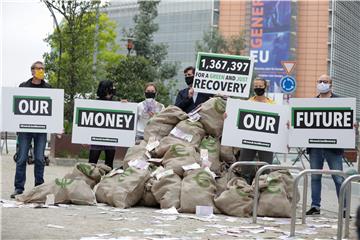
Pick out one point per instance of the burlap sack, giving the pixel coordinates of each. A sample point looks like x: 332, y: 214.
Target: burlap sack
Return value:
x: 122, y: 190
x: 166, y: 191
x: 180, y: 155
x: 213, y: 147
x: 289, y: 181
x: 157, y: 130
x: 64, y: 190
x: 273, y: 201
x: 228, y: 154
x: 136, y: 152
x: 80, y: 193
x: 237, y: 200
x: 221, y: 183
x: 212, y: 118
x: 195, y: 129
x: 165, y: 144
x: 89, y: 172
x: 148, y: 199
x: 197, y: 189
x: 161, y: 124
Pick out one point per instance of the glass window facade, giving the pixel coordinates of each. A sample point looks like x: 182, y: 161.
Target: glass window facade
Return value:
x: 181, y: 24
x: 345, y: 49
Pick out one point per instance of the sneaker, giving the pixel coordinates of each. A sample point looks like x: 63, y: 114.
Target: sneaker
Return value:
x: 15, y: 193
x: 313, y: 211
x: 344, y: 215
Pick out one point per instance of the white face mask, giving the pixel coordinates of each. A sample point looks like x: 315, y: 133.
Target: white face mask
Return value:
x: 323, y: 87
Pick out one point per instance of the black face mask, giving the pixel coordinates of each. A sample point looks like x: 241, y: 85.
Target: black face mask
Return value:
x: 189, y: 80
x: 150, y: 95
x: 259, y: 91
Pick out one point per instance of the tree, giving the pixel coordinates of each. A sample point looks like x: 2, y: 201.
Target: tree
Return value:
x: 148, y: 65
x: 75, y: 38
x: 131, y: 74
x: 213, y: 41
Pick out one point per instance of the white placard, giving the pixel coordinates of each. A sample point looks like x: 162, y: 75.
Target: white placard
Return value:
x: 228, y: 75
x: 322, y: 122
x: 255, y: 125
x: 106, y: 123
x: 39, y: 110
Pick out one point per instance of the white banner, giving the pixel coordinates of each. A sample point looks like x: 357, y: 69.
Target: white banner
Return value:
x: 107, y: 123
x: 223, y: 74
x: 255, y: 125
x: 39, y: 110
x: 322, y: 122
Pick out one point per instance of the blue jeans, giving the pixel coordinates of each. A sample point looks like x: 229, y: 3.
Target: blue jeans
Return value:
x: 334, y: 160
x: 24, y: 140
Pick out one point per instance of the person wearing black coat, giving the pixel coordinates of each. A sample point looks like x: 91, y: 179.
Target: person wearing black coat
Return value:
x: 187, y: 99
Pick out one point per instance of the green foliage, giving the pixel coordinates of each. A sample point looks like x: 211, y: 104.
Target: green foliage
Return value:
x: 63, y: 154
x: 83, y: 153
x: 213, y: 41
x: 143, y: 32
x: 130, y: 84
x: 149, y: 63
x: 67, y: 127
x: 69, y: 64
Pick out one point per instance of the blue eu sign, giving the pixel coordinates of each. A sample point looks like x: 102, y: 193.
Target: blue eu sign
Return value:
x: 288, y: 84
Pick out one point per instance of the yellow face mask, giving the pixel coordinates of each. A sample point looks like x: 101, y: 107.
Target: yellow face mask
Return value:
x: 39, y: 74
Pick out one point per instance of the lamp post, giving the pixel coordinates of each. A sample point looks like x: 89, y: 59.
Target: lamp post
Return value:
x: 130, y: 45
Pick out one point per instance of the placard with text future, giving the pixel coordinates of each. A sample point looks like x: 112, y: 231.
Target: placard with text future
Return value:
x: 322, y: 122
x: 255, y: 125
x: 106, y: 123
x: 39, y: 110
x: 223, y: 74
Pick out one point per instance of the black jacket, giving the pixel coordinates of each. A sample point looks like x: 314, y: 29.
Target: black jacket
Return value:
x: 337, y: 151
x: 187, y: 104
x: 28, y: 83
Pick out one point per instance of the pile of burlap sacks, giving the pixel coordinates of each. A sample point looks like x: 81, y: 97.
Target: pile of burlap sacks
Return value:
x: 180, y: 163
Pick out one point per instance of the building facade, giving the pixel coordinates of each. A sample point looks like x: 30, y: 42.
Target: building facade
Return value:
x: 322, y: 37
x: 181, y: 24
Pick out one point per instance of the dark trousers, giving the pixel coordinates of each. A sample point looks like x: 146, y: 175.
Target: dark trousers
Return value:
x: 24, y: 140
x: 109, y: 156
x: 248, y: 172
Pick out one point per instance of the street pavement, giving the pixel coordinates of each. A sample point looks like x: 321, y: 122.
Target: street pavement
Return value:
x: 104, y: 222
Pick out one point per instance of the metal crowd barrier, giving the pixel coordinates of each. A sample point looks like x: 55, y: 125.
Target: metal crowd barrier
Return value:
x: 295, y: 186
x: 257, y: 176
x: 245, y: 163
x: 346, y: 185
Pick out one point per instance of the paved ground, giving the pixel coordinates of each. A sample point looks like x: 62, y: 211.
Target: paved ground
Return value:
x: 103, y: 222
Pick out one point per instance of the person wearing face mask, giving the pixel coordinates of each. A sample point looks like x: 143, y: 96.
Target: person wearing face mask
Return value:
x: 187, y: 99
x: 25, y: 138
x: 147, y: 109
x: 318, y: 155
x: 248, y: 172
x: 105, y: 92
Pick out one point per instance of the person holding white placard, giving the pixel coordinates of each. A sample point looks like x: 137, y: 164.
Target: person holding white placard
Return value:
x: 147, y: 109
x: 106, y: 92
x: 248, y: 172
x: 187, y: 99
x: 318, y: 155
x: 25, y: 138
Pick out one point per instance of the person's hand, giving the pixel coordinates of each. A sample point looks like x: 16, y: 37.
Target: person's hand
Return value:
x: 151, y: 114
x: 224, y: 115
x: 356, y: 125
x: 191, y: 92
x: 123, y: 100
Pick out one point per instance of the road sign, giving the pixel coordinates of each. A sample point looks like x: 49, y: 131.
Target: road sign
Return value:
x: 289, y: 66
x: 288, y: 84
